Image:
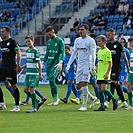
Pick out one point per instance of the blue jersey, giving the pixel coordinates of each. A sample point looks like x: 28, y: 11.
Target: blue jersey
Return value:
x: 123, y: 64
x: 0, y: 58
x: 66, y: 59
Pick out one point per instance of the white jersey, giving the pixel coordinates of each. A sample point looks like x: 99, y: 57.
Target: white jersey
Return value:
x: 86, y: 50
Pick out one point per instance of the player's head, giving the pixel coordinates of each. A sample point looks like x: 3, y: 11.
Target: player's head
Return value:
x: 67, y: 49
x: 50, y: 32
x: 110, y: 34
x: 29, y: 41
x: 0, y: 39
x: 5, y: 32
x: 83, y: 30
x: 101, y: 41
x: 130, y: 40
x: 122, y: 41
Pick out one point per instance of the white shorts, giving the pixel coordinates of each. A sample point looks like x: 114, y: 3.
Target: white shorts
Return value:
x: 82, y: 76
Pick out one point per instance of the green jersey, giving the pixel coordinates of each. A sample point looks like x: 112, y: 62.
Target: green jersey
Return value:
x: 55, y: 51
x: 131, y: 61
x: 104, y: 57
x: 32, y: 57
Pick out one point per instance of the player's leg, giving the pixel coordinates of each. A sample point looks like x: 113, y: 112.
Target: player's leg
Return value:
x: 52, y: 74
x: 130, y: 82
x: 2, y: 105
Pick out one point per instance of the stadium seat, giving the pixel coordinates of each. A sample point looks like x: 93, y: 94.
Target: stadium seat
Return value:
x: 124, y: 31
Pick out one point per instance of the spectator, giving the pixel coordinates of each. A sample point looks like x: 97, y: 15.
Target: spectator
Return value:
x: 128, y: 23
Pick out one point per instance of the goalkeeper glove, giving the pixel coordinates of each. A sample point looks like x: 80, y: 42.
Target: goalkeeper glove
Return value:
x: 58, y: 66
x: 92, y: 71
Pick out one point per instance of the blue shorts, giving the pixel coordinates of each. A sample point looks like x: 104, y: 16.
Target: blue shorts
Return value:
x: 70, y: 76
x: 122, y: 77
x: 93, y: 79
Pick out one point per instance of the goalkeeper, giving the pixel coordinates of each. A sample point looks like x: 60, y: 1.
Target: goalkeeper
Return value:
x: 54, y: 56
x: 85, y: 47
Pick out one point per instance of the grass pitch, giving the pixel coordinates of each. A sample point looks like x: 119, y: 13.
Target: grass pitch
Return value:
x: 64, y: 118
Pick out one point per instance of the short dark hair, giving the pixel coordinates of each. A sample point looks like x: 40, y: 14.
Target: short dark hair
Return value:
x: 29, y: 37
x: 49, y: 28
x: 130, y: 39
x: 8, y: 29
x: 85, y: 25
x: 111, y: 30
x: 67, y: 47
x: 123, y: 39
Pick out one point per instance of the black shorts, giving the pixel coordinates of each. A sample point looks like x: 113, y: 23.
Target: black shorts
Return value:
x: 115, y: 72
x: 9, y: 74
x: 99, y: 82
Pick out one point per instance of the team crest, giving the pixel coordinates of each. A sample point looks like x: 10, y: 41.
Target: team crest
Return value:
x: 8, y: 44
x: 115, y: 46
x: 55, y: 44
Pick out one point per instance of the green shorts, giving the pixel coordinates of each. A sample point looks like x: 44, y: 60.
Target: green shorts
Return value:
x: 31, y: 80
x: 130, y: 77
x: 51, y: 73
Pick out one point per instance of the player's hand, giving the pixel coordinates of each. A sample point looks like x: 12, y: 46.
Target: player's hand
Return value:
x: 18, y: 68
x: 93, y: 71
x: 67, y: 68
x: 58, y: 66
x: 40, y: 77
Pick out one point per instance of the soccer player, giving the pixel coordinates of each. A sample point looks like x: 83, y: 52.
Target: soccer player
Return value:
x: 117, y: 51
x: 33, y: 72
x: 123, y: 73
x: 85, y: 47
x: 130, y: 76
x: 9, y: 67
x: 26, y: 102
x: 70, y: 77
x: 54, y: 56
x: 103, y: 73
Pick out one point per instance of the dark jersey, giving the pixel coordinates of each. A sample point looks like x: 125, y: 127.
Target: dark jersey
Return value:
x: 116, y: 50
x: 9, y: 48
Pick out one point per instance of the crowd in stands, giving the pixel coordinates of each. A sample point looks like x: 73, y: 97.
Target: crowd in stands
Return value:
x: 16, y: 13
x: 117, y: 14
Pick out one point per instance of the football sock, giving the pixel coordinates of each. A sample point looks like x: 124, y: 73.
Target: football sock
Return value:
x: 110, y: 95
x: 130, y: 98
x: 69, y: 88
x: 85, y: 95
x: 33, y: 97
x: 11, y: 90
x: 96, y: 91
x: 16, y: 96
x: 101, y: 97
x: 112, y: 89
x: 106, y: 97
x: 39, y: 94
x: 74, y: 90
x: 125, y: 89
x: 27, y: 99
x: 120, y: 93
x: 1, y: 96
x: 54, y: 90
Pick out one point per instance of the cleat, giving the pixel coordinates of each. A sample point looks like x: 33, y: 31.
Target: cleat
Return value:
x: 119, y: 101
x: 100, y: 109
x: 54, y: 103
x: 24, y: 103
x: 40, y: 103
x: 97, y: 102
x: 76, y: 101
x: 32, y: 110
x: 93, y: 100
x: 63, y: 100
x: 124, y: 104
x: 83, y: 108
x: 15, y: 109
x: 115, y: 104
x: 129, y: 108
x: 106, y: 104
x: 2, y: 106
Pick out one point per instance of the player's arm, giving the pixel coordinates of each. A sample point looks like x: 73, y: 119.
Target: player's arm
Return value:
x: 0, y: 59
x: 18, y: 53
x: 46, y: 55
x: 40, y: 69
x: 126, y: 60
x: 62, y: 50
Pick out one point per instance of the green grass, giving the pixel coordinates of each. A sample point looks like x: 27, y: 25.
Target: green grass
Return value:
x: 64, y: 118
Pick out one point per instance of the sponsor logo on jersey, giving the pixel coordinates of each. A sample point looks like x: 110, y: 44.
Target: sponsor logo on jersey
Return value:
x: 115, y: 46
x: 5, y: 50
x: 113, y: 51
